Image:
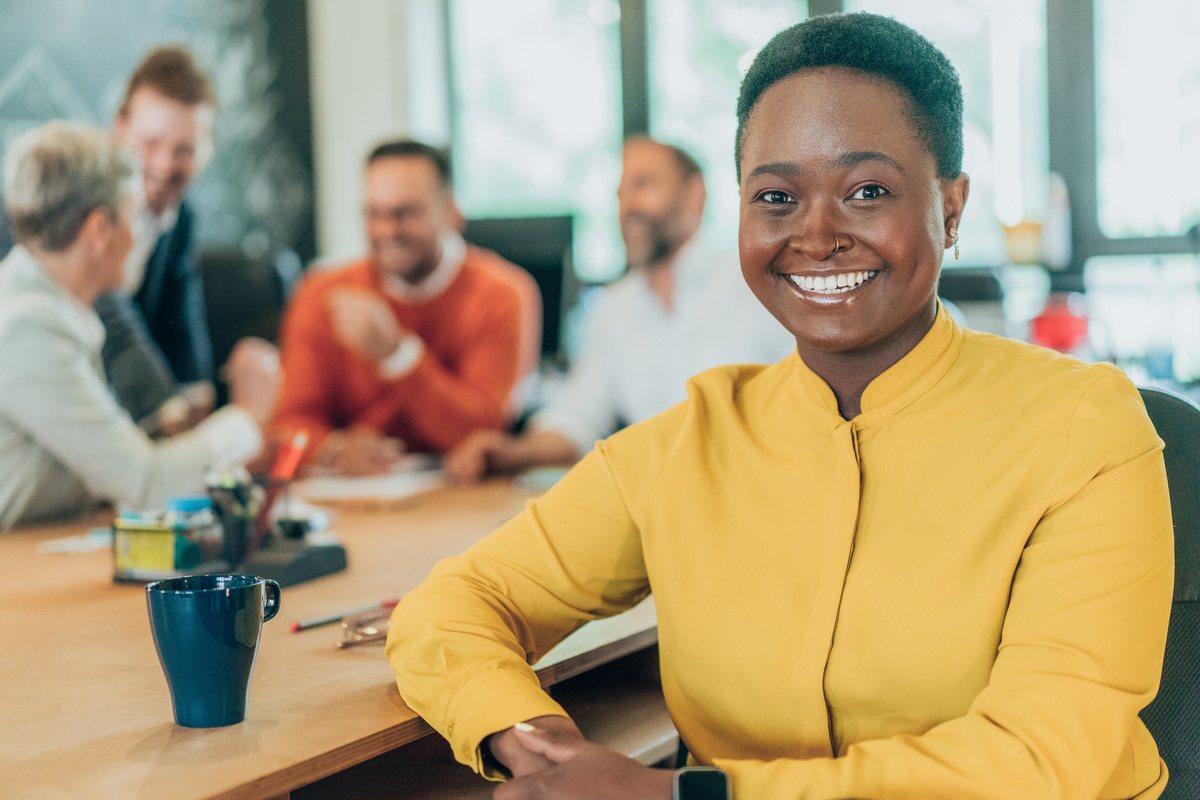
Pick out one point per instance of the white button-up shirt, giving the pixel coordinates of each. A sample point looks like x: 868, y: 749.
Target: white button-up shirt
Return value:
x: 635, y: 356
x: 148, y: 228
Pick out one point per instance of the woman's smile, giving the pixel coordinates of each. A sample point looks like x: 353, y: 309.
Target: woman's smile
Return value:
x: 833, y: 287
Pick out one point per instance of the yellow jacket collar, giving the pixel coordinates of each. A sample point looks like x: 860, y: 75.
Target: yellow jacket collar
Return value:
x: 900, y: 384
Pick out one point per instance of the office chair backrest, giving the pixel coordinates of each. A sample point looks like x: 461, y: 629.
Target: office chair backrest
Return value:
x: 1174, y: 716
x: 541, y: 246
x: 244, y: 296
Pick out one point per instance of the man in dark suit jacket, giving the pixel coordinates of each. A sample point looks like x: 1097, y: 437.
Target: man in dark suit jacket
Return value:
x: 6, y: 241
x: 157, y: 344
x: 158, y: 355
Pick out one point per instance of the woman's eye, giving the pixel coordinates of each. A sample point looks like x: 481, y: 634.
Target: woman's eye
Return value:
x: 774, y: 196
x: 869, y: 192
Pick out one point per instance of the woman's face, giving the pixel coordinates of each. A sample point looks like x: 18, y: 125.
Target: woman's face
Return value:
x: 844, y: 219
x: 115, y: 244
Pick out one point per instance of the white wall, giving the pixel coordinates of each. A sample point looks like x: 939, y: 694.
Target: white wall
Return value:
x: 359, y: 97
x: 378, y: 72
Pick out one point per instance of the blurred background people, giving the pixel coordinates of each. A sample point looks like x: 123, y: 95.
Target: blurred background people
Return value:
x: 415, y: 346
x: 157, y: 354
x: 64, y: 440
x: 682, y: 308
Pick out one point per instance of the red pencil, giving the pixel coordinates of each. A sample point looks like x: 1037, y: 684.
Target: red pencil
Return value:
x: 288, y: 457
x: 332, y: 618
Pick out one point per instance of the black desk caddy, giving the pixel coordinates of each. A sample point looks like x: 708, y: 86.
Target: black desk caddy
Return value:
x: 292, y: 561
x: 285, y: 559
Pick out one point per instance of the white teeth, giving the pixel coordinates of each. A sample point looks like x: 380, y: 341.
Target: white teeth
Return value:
x: 831, y: 284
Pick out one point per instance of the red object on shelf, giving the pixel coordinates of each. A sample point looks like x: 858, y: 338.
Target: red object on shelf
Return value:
x: 1063, y: 325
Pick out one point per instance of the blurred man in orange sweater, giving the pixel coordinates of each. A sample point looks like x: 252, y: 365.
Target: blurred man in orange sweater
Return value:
x: 415, y: 346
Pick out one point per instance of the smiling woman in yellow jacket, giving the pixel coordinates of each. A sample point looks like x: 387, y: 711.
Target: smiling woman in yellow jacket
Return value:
x: 910, y: 561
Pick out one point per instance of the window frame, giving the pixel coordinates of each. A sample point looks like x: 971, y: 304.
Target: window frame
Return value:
x: 1071, y: 118
x: 1071, y: 68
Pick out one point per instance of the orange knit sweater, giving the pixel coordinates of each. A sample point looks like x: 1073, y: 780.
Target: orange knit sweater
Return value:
x: 463, y: 381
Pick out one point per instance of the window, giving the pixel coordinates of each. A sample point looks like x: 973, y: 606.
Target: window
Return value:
x: 1147, y: 117
x: 999, y: 49
x: 698, y: 52
x: 537, y: 127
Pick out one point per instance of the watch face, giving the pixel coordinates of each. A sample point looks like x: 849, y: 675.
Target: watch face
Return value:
x: 701, y: 783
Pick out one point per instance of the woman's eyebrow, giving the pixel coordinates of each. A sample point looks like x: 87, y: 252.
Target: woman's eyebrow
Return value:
x: 849, y: 159
x: 776, y: 168
x: 859, y: 156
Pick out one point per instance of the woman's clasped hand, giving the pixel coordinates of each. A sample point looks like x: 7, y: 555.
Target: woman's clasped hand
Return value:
x: 549, y: 758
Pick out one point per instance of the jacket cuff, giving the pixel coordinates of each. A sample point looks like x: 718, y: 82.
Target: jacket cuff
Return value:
x: 403, y: 360
x: 492, y: 702
x: 233, y: 437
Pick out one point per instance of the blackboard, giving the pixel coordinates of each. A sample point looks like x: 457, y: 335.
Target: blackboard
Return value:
x: 69, y: 59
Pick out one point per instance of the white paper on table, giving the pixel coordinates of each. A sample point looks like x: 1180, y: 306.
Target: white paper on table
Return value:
x: 397, y: 485
x: 95, y: 539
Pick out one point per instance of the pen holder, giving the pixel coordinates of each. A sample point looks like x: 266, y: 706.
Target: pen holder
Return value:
x: 237, y: 503
x: 243, y: 506
x: 236, y: 533
x: 272, y: 490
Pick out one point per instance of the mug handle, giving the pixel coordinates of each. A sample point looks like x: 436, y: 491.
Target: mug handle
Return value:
x: 270, y: 599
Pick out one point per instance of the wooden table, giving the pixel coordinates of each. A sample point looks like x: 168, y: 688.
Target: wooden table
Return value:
x: 85, y: 707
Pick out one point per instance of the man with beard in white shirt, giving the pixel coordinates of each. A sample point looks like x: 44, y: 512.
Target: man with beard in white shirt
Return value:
x: 681, y: 309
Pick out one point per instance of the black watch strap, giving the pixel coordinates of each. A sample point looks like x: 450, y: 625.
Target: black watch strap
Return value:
x: 701, y: 783
x: 490, y: 765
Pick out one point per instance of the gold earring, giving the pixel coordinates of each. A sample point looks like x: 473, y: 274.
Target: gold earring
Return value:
x: 954, y: 233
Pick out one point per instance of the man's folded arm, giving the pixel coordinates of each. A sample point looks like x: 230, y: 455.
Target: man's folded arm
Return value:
x: 136, y: 369
x: 442, y: 405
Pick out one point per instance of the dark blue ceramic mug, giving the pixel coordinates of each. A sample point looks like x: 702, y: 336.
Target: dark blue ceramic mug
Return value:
x: 206, y: 630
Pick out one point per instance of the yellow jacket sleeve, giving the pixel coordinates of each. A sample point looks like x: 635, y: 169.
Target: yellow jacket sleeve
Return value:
x: 461, y: 644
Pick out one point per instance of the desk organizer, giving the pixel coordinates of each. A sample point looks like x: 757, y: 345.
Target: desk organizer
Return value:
x: 229, y: 532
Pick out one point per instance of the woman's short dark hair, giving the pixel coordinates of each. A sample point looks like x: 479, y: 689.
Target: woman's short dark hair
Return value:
x: 875, y: 45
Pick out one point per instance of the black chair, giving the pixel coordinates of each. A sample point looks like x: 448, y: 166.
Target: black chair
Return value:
x: 244, y: 296
x: 1174, y: 716
x: 542, y: 247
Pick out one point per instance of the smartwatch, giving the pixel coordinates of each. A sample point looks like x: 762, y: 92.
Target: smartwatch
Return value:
x: 700, y: 783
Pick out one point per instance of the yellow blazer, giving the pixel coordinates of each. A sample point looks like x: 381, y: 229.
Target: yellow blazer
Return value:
x: 962, y: 593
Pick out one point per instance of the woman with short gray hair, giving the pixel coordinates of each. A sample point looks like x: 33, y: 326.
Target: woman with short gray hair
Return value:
x: 64, y: 440
x: 58, y: 176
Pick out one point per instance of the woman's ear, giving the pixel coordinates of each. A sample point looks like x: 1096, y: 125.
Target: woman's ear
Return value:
x: 455, y: 219
x: 97, y: 230
x: 954, y: 199
x: 695, y: 195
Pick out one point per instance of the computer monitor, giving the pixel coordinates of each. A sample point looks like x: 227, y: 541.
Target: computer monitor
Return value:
x: 542, y: 247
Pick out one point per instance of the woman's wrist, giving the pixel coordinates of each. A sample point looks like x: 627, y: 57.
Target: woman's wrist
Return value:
x: 490, y: 766
x: 503, y: 752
